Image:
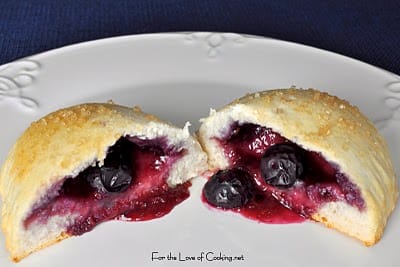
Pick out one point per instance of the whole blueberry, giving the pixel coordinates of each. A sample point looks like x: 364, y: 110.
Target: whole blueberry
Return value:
x: 115, y: 179
x: 229, y: 188
x: 117, y: 173
x: 282, y: 164
x: 109, y: 179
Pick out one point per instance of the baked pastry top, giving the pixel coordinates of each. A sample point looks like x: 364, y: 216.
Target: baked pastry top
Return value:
x: 363, y: 186
x: 62, y: 145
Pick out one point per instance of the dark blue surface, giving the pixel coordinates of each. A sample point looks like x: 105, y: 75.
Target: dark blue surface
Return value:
x: 365, y: 30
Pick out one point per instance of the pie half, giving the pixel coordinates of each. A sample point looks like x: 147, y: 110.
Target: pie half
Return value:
x: 343, y: 173
x: 86, y: 164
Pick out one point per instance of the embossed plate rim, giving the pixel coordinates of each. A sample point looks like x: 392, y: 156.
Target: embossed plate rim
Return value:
x: 69, y: 62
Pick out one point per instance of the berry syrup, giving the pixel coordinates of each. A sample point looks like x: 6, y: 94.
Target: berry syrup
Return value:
x: 147, y: 197
x: 321, y: 181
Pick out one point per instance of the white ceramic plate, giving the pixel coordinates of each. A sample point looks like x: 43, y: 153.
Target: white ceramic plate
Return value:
x: 179, y: 76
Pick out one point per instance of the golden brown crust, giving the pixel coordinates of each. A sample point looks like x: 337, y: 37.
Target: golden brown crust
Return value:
x: 324, y: 123
x: 62, y: 144
x: 28, y: 172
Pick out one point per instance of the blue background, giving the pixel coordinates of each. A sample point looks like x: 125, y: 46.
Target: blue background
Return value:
x: 365, y: 30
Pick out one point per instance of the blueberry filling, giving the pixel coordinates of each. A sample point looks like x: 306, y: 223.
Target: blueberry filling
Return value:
x: 229, y: 189
x: 287, y: 180
x: 282, y: 165
x: 114, y: 176
x: 113, y: 179
x: 131, y: 184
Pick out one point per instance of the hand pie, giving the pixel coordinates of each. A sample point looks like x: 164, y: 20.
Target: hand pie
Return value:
x: 284, y: 153
x: 90, y: 163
